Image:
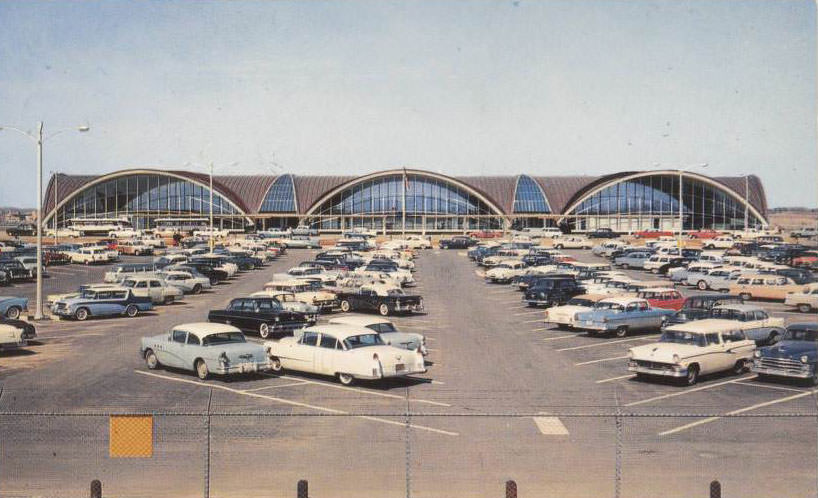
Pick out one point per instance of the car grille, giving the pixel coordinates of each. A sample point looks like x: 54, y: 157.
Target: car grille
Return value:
x: 60, y: 306
x: 782, y: 364
x: 654, y: 365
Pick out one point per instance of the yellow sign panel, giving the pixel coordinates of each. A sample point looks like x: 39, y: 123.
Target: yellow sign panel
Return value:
x: 131, y: 436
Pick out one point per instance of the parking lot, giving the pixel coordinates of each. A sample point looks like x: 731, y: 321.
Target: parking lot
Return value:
x: 505, y: 396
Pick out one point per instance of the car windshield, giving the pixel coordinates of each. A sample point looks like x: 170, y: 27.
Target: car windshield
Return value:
x: 577, y: 301
x: 128, y: 283
x: 727, y: 314
x: 362, y: 341
x: 801, y: 335
x: 608, y: 306
x: 223, y: 338
x: 88, y: 294
x: 682, y: 338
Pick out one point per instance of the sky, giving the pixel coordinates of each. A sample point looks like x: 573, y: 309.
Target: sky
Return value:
x: 458, y: 87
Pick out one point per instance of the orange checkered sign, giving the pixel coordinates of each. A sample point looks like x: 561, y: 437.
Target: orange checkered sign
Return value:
x: 131, y: 436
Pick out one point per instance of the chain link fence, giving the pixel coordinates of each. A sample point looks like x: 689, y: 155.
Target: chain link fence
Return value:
x: 227, y: 454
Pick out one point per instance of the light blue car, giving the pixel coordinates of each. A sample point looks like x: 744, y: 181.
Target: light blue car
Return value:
x: 102, y: 302
x: 205, y: 348
x: 12, y: 307
x: 620, y: 316
x: 634, y: 259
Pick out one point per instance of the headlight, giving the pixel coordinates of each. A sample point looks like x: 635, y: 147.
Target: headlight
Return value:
x: 804, y: 359
x: 757, y: 353
x: 676, y: 358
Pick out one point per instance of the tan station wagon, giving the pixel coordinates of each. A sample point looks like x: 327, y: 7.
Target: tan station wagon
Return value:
x: 761, y: 286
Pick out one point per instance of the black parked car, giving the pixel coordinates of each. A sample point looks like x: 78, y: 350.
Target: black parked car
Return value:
x: 457, y: 242
x: 262, y: 315
x: 552, y: 291
x: 383, y: 301
x: 215, y: 275
x: 29, y: 332
x: 15, y: 270
x: 602, y: 233
x: 795, y: 356
x: 800, y: 276
x: 698, y: 307
x: 22, y: 230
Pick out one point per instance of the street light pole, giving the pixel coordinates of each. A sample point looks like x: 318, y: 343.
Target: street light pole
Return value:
x: 56, y: 174
x: 746, y: 201
x: 681, y: 209
x: 210, y: 242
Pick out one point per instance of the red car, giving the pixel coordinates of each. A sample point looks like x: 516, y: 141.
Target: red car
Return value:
x: 486, y: 234
x: 669, y: 299
x: 808, y: 259
x: 52, y: 257
x: 652, y: 234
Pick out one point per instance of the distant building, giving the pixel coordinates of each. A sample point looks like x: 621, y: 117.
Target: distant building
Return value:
x: 417, y: 200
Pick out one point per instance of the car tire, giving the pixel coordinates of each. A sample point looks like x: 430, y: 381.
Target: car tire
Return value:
x: 558, y: 246
x: 745, y: 296
x: 621, y: 331
x: 264, y: 331
x: 654, y: 270
x: 197, y: 289
x: 739, y: 367
x: 167, y: 300
x: 692, y: 375
x: 201, y: 370
x: 13, y: 313
x: 131, y: 311
x: 383, y: 309
x: 701, y: 285
x: 151, y: 361
x: 804, y: 308
x: 345, y: 306
x: 275, y: 365
x: 346, y: 379
x: 625, y: 266
x: 81, y: 314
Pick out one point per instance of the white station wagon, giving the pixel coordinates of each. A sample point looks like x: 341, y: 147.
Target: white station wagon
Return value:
x: 695, y: 348
x: 343, y: 351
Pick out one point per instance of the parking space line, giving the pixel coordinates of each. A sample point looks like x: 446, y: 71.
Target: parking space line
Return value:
x: 600, y: 360
x: 768, y: 386
x: 551, y: 426
x: 737, y: 412
x: 528, y: 313
x: 540, y: 329
x: 295, y: 403
x: 534, y: 321
x: 289, y: 384
x: 691, y: 390
x: 559, y: 337
x: 364, y: 391
x: 603, y: 381
x: 608, y: 342
x: 61, y: 336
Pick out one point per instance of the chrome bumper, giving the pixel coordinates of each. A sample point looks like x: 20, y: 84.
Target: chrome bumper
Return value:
x: 675, y: 372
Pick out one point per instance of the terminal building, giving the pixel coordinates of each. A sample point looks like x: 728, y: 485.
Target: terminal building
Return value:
x: 411, y: 200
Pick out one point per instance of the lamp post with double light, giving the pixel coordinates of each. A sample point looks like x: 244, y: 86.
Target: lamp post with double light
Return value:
x: 38, y: 138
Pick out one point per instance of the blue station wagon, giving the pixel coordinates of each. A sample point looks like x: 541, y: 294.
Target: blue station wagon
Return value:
x: 104, y: 302
x: 12, y: 307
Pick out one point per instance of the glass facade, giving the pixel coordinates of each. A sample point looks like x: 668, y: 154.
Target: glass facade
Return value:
x: 529, y: 197
x: 653, y: 202
x: 431, y: 204
x: 144, y: 197
x: 281, y: 196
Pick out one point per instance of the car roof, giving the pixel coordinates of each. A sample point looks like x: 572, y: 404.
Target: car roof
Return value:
x: 623, y: 300
x: 358, y: 320
x: 339, y: 331
x: 592, y: 297
x: 204, y: 329
x: 803, y: 326
x: 704, y: 326
x: 660, y: 289
x: 739, y: 307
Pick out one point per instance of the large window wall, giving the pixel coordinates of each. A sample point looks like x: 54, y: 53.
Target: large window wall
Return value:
x: 144, y: 197
x: 653, y: 202
x: 281, y: 196
x: 431, y: 204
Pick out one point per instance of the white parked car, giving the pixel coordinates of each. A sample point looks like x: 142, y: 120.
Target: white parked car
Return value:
x: 288, y: 301
x: 505, y: 271
x: 805, y: 300
x: 417, y: 242
x: 90, y: 255
x: 572, y: 242
x: 566, y: 315
x: 155, y: 288
x: 389, y: 333
x: 688, y: 350
x: 12, y: 337
x: 124, y: 233
x: 608, y: 247
x: 186, y: 281
x: 722, y: 242
x: 343, y: 351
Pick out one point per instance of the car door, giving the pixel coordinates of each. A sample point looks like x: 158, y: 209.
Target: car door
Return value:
x: 737, y: 346
x: 175, y: 351
x: 301, y: 355
x: 327, y: 355
x: 155, y: 291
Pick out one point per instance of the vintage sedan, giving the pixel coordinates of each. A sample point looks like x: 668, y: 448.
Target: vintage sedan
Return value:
x: 389, y: 333
x: 12, y: 307
x: 11, y: 337
x: 186, y: 281
x: 155, y: 288
x: 504, y: 271
x: 307, y: 291
x: 457, y: 242
x: 566, y: 315
x: 382, y: 299
x: 756, y: 323
x: 288, y: 301
x: 688, y: 350
x: 774, y: 287
x: 262, y: 315
x: 661, y: 297
x: 621, y: 316
x: 25, y: 329
x: 804, y: 300
x: 795, y: 356
x: 109, y: 302
x: 205, y: 348
x: 343, y: 351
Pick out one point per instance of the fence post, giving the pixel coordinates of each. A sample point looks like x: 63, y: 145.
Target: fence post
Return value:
x: 511, y: 489
x: 303, y: 489
x: 96, y: 489
x: 715, y: 489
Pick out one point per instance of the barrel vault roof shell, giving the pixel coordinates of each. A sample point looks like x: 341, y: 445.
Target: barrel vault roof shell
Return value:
x: 248, y: 191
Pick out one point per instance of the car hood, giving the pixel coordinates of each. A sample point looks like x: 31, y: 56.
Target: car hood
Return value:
x: 663, y: 352
x: 791, y: 349
x: 568, y: 310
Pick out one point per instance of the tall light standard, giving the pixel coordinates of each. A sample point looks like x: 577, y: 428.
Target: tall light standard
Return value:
x: 210, y: 172
x: 38, y: 139
x: 56, y: 174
